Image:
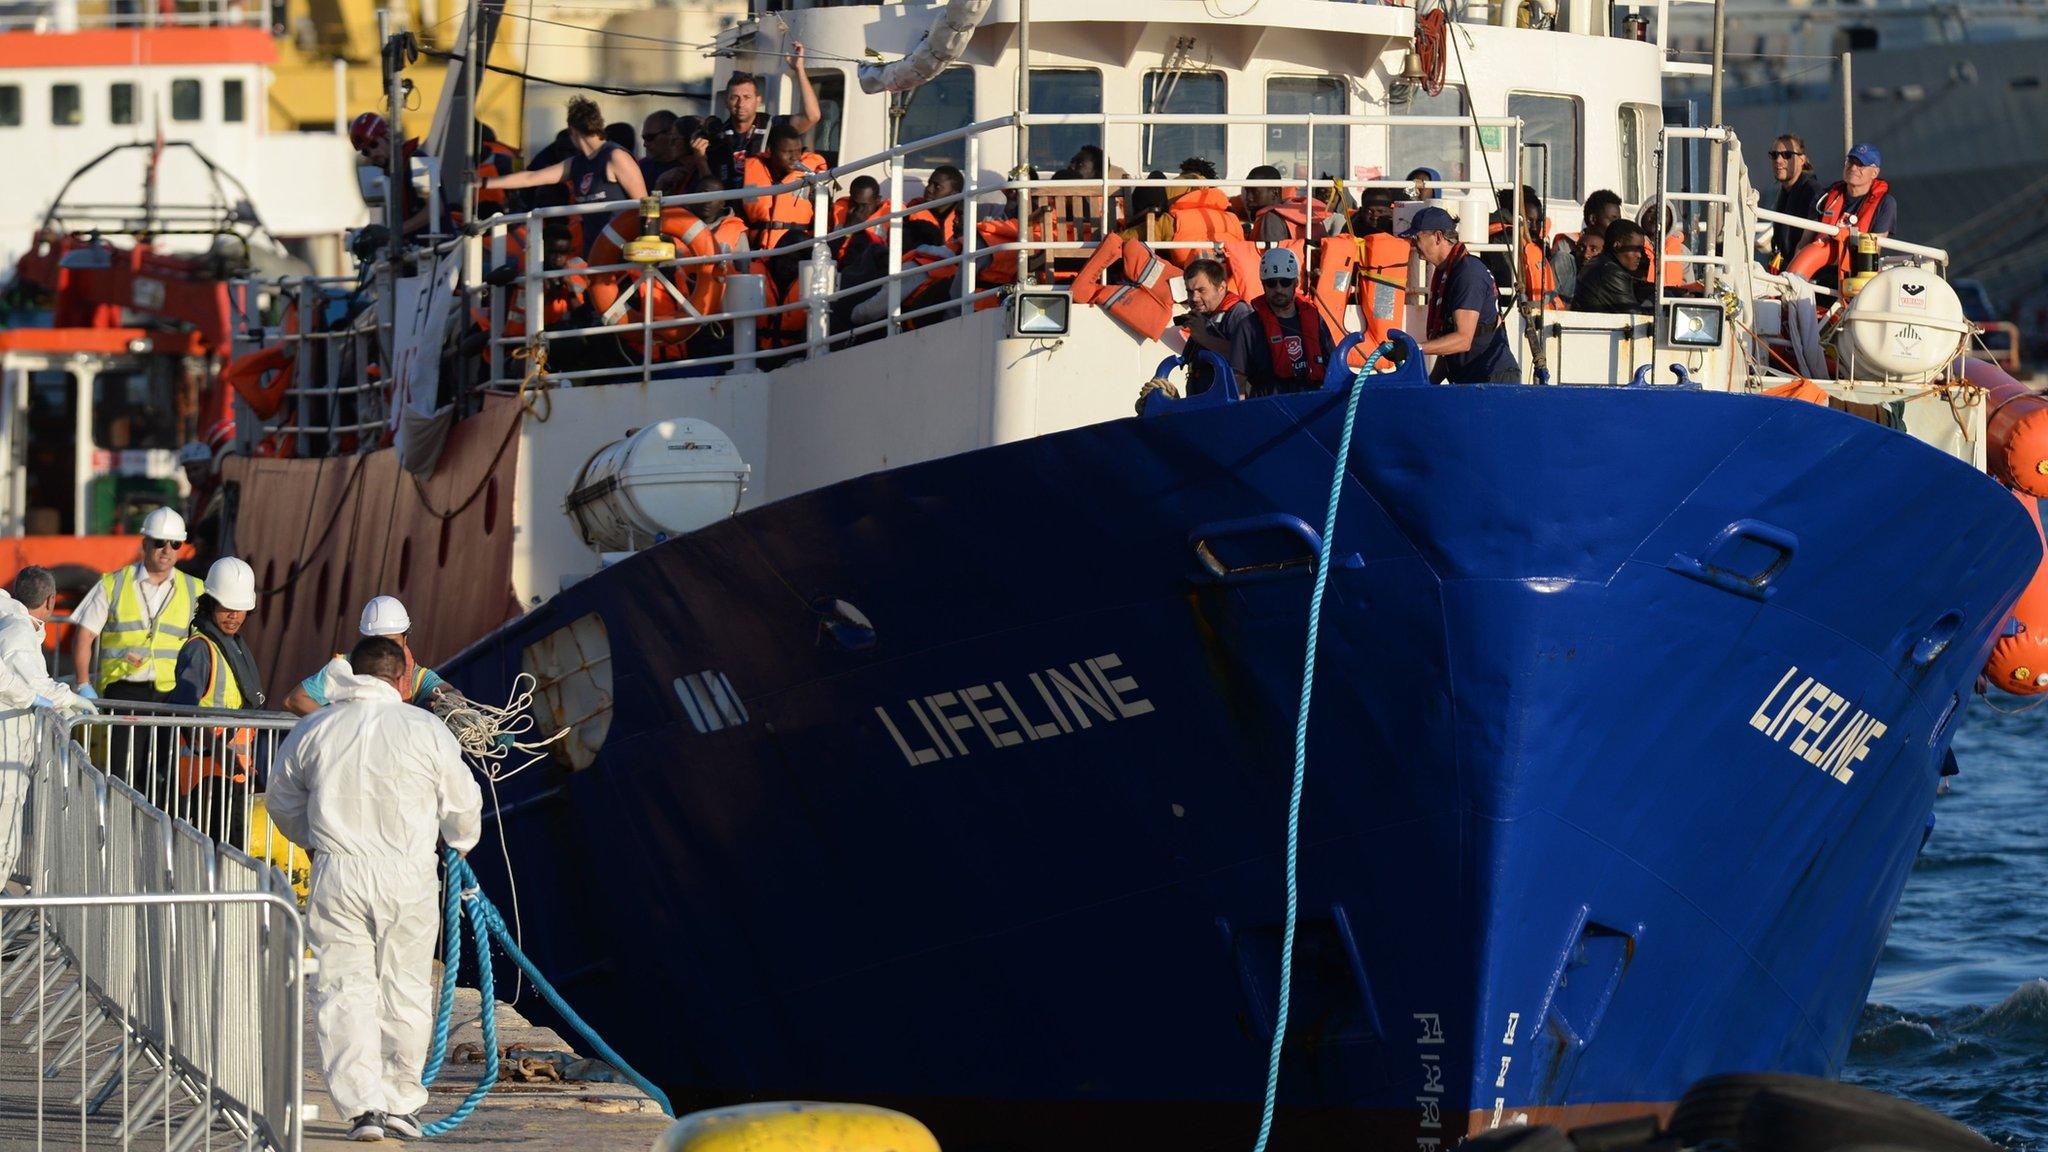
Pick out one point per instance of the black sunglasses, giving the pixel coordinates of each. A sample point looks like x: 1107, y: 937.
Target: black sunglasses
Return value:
x: 1776, y: 155
x: 151, y: 545
x: 1276, y: 283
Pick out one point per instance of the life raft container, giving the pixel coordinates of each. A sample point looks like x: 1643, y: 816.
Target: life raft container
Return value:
x: 651, y: 290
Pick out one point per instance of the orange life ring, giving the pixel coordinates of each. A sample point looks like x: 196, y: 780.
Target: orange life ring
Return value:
x: 245, y: 373
x: 651, y: 289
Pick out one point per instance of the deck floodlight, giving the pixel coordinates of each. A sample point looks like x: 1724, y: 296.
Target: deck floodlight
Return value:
x: 1037, y: 314
x: 1693, y: 323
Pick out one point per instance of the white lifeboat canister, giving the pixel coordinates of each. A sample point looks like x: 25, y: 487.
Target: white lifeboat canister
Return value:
x: 657, y: 482
x: 1906, y: 326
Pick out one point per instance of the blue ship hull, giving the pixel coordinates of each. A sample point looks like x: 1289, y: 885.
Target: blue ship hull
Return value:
x: 1627, y: 727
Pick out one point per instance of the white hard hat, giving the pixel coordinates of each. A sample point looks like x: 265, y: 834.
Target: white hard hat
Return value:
x: 232, y: 584
x: 194, y: 453
x: 1279, y: 264
x: 384, y: 616
x: 164, y: 524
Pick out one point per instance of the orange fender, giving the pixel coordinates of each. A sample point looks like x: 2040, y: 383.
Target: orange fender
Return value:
x: 1817, y: 254
x: 2016, y: 429
x: 245, y: 373
x: 2019, y: 663
x: 654, y: 290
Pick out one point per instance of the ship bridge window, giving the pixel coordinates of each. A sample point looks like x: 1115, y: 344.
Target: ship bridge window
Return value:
x: 1638, y: 151
x: 10, y: 105
x: 121, y: 103
x: 133, y: 410
x: 231, y: 109
x: 1287, y: 146
x: 1552, y: 120
x: 1068, y: 92
x: 945, y: 104
x: 823, y: 138
x: 1183, y: 93
x: 186, y: 100
x: 67, y: 107
x: 52, y: 453
x: 1441, y: 147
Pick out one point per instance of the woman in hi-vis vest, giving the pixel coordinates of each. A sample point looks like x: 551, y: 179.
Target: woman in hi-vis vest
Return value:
x: 216, y: 670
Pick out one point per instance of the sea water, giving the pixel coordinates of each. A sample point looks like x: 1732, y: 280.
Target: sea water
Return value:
x: 1958, y: 1014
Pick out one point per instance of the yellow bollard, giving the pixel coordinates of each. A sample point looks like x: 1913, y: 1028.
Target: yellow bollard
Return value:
x: 797, y: 1126
x: 268, y: 844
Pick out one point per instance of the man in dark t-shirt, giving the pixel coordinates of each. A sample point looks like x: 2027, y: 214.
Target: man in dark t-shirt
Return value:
x: 1464, y: 329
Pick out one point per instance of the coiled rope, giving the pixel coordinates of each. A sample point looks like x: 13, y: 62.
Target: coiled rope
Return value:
x: 1308, y: 679
x: 489, y: 733
x: 487, y: 926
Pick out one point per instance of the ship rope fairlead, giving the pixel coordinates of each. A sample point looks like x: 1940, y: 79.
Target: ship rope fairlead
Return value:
x: 1308, y: 681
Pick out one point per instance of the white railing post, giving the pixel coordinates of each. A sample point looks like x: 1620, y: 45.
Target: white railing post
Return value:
x: 968, y: 216
x: 534, y: 290
x: 820, y: 280
x: 745, y: 295
x: 494, y: 325
x: 895, y: 286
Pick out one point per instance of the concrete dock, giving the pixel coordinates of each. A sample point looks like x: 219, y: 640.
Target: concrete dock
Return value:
x: 535, y: 1113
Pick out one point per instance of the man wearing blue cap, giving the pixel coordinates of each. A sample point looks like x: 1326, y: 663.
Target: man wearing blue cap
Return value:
x: 1463, y: 330
x: 1860, y: 199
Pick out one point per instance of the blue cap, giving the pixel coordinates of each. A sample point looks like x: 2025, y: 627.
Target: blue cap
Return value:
x: 1430, y: 219
x: 1866, y: 154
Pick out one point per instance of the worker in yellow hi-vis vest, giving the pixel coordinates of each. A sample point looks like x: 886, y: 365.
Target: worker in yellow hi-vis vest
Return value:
x: 216, y: 670
x: 140, y: 615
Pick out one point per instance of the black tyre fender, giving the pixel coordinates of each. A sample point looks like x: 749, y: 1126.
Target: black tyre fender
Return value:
x: 1616, y: 1135
x: 1823, y: 1116
x: 1712, y: 1109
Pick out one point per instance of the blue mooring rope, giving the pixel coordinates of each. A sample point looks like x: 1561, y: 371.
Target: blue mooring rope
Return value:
x: 1308, y: 679
x: 487, y: 926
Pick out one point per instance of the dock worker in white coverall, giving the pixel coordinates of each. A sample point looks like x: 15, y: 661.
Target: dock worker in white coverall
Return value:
x: 367, y: 785
x: 25, y: 685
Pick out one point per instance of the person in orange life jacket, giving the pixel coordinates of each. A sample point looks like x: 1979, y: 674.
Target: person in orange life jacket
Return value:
x: 1602, y: 207
x: 1283, y: 345
x: 371, y: 137
x: 1464, y: 327
x: 930, y: 235
x: 1214, y: 317
x: 597, y: 170
x: 1264, y: 224
x: 776, y: 215
x: 1203, y: 213
x: 1862, y: 200
x: 744, y: 131
x: 1538, y: 281
x: 494, y: 159
x: 863, y: 200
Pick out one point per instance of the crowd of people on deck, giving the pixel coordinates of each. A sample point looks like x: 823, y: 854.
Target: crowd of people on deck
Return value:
x: 1612, y: 263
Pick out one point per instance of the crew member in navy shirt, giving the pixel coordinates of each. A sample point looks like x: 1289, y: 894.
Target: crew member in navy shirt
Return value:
x: 1464, y: 329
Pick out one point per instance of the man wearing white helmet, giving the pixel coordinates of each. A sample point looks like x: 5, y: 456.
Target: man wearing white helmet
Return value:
x: 382, y: 616
x: 140, y: 615
x: 1284, y: 346
x: 217, y: 670
x: 25, y: 685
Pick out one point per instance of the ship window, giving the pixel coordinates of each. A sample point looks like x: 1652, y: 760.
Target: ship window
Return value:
x: 185, y: 100
x: 67, y: 108
x: 133, y: 410
x: 1287, y: 145
x: 1638, y: 151
x: 943, y: 105
x: 52, y: 453
x: 823, y: 138
x: 121, y: 103
x: 231, y: 101
x: 710, y: 702
x: 1064, y: 92
x: 1552, y: 120
x: 1441, y: 147
x: 10, y: 105
x: 1184, y: 94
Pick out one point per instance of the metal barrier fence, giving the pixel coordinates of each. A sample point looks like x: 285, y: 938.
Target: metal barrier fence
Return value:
x: 153, y: 982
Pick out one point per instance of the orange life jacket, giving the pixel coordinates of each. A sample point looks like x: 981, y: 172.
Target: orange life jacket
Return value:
x: 878, y: 232
x: 245, y: 373
x: 1304, y: 217
x: 1282, y: 348
x: 1385, y: 255
x: 1143, y: 302
x: 1241, y: 257
x: 1539, y: 283
x: 494, y: 159
x: 1824, y: 251
x: 1204, y: 214
x: 774, y: 216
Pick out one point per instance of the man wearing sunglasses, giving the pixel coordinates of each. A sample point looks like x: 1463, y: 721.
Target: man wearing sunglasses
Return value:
x: 1283, y: 346
x: 1798, y: 195
x: 140, y: 615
